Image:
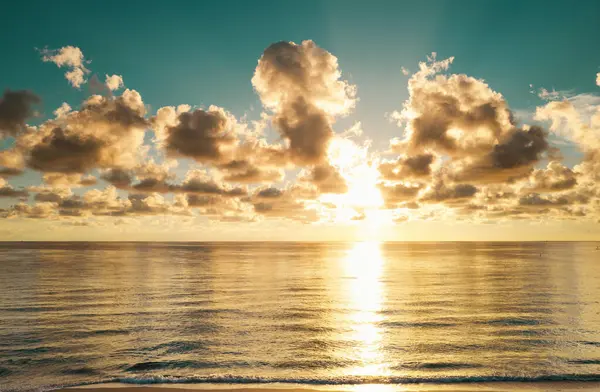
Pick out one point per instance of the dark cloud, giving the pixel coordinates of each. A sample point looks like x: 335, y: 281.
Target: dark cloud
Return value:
x: 16, y: 107
x: 301, y: 85
x: 394, y: 194
x: 327, y: 179
x: 206, y: 186
x: 118, y: 177
x: 9, y: 191
x: 151, y: 185
x: 244, y: 171
x: 439, y: 192
x: 105, y: 133
x: 73, y: 203
x: 49, y: 195
x: 151, y: 177
x: 205, y: 136
x: 308, y: 131
x: 269, y: 193
x: 65, y: 152
x: 508, y: 161
x: 407, y: 167
x: 289, y: 203
x: 9, y: 172
x: 470, y: 125
x: 203, y: 200
x: 522, y: 148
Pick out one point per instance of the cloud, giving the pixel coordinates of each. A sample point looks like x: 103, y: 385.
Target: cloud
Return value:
x: 393, y: 194
x: 70, y: 57
x: 152, y: 176
x: 552, y: 95
x: 12, y: 163
x: 101, y: 202
x: 153, y: 204
x: 360, y: 216
x: 104, y: 133
x: 440, y: 192
x: 220, y: 208
x: 269, y: 193
x: 199, y: 182
x: 291, y: 203
x: 6, y: 190
x: 400, y: 218
x: 203, y: 135
x: 511, y: 159
x: 118, y: 177
x: 60, y: 202
x: 16, y: 107
x: 407, y: 167
x: 114, y: 82
x: 152, y: 185
x: 537, y: 200
x: 51, y: 194
x: 301, y: 85
x: 244, y: 171
x: 62, y: 110
x: 327, y: 179
x: 554, y: 178
x: 69, y: 180
x: 461, y: 119
x: 576, y: 118
x: 36, y: 211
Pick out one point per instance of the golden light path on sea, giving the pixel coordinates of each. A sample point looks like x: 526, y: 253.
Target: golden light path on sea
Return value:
x: 363, y: 269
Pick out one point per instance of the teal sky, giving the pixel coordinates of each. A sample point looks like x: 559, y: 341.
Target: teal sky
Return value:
x: 205, y: 53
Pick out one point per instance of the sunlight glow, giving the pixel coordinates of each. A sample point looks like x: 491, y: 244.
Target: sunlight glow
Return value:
x: 363, y: 265
x: 363, y: 200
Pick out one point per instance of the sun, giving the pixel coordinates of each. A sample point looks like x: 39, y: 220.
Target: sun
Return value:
x: 363, y: 201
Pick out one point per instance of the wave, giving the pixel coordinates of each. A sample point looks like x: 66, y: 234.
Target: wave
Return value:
x: 346, y: 380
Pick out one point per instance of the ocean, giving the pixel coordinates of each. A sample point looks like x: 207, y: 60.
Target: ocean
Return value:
x: 329, y: 314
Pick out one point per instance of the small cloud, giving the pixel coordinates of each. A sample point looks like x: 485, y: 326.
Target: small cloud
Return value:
x: 547, y: 95
x: 62, y: 110
x: 405, y: 71
x: 400, y: 218
x: 70, y: 57
x: 114, y: 82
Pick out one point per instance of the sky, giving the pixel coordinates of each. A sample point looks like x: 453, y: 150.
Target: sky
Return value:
x: 329, y: 120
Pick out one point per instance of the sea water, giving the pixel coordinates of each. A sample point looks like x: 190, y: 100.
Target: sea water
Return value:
x: 307, y: 313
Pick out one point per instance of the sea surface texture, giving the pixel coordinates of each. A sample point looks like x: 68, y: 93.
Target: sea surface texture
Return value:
x: 309, y: 313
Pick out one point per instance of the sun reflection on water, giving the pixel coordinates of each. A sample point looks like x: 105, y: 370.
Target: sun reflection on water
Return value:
x: 363, y: 267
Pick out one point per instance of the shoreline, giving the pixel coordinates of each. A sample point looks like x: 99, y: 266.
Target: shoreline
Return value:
x: 531, y: 386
